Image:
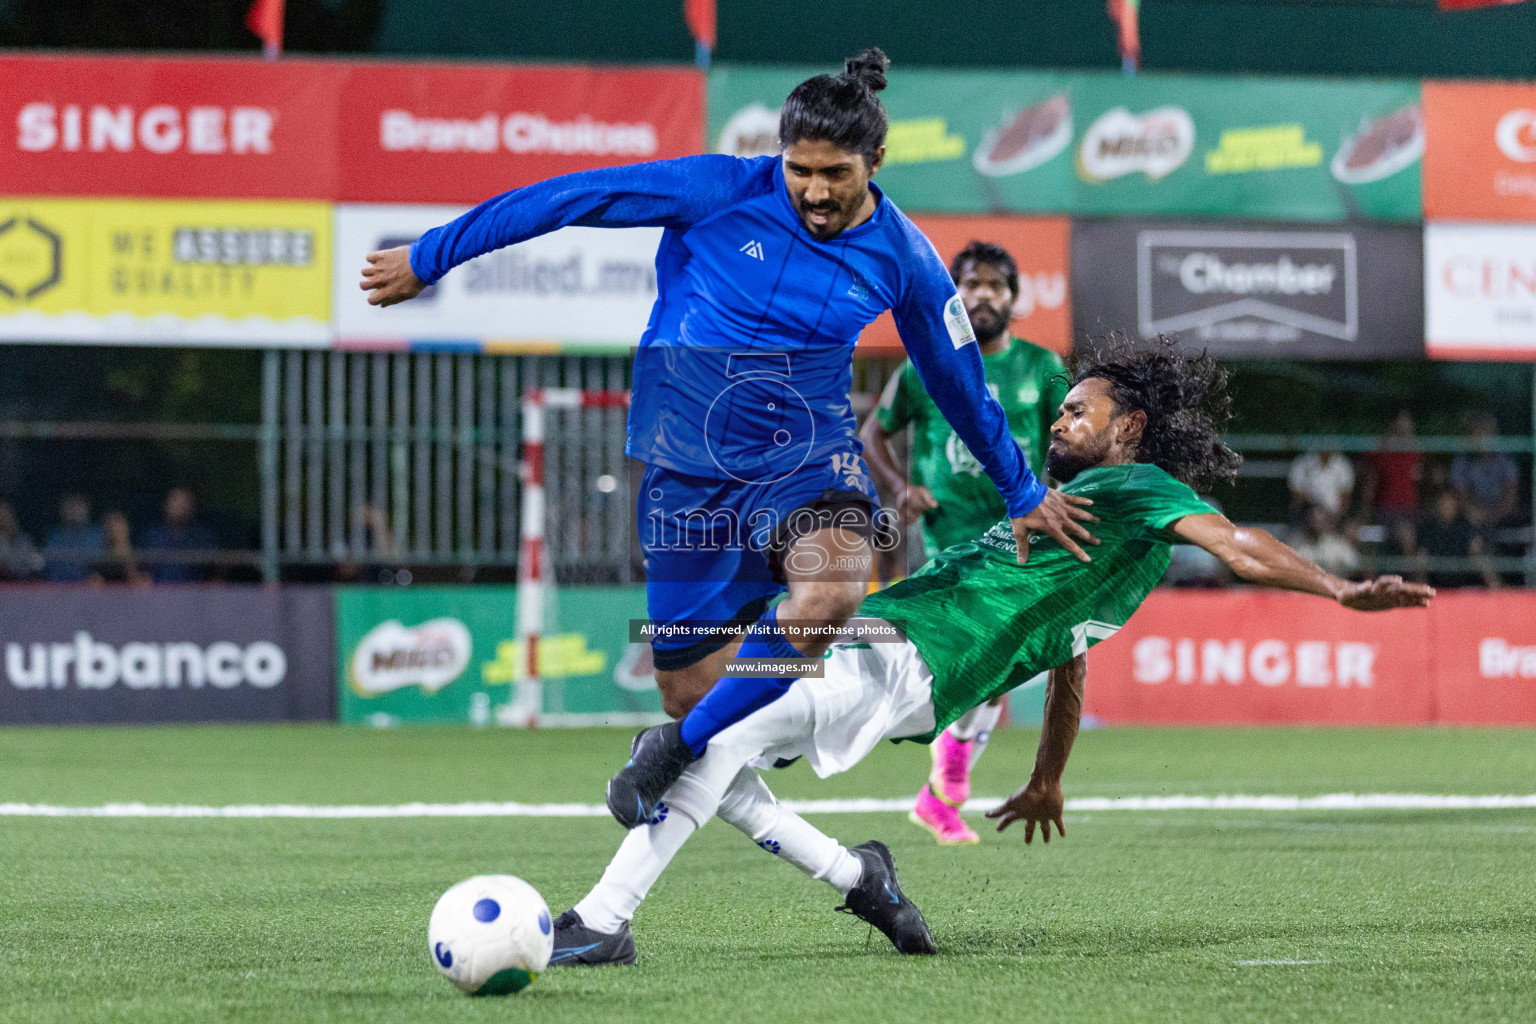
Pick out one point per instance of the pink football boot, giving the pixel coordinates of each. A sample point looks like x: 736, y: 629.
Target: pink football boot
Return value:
x: 950, y: 779
x: 941, y: 819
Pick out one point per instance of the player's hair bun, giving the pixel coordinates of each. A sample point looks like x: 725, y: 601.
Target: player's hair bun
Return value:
x: 868, y: 68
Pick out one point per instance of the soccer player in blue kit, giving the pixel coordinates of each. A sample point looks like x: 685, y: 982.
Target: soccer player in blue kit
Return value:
x: 755, y: 483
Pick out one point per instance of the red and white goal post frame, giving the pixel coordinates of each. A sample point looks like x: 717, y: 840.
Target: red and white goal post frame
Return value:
x: 527, y: 705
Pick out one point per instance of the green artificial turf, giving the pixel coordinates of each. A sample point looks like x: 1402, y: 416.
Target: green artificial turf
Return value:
x: 1134, y: 916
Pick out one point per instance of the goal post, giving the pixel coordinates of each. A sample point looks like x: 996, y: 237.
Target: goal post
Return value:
x: 534, y: 574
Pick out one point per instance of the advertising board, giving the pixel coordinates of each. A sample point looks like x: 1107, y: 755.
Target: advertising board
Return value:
x: 171, y: 654
x: 1088, y: 143
x: 1480, y: 163
x: 1244, y: 291
x: 575, y: 287
x: 1250, y: 657
x: 204, y: 272
x: 435, y: 133
x: 385, y: 131
x: 450, y: 654
x: 1041, y: 247
x: 228, y: 127
x: 1480, y: 290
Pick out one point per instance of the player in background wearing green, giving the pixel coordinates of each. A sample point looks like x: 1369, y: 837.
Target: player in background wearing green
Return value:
x: 1138, y: 432
x: 948, y: 491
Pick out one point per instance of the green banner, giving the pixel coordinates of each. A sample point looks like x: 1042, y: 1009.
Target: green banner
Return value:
x: 450, y: 654
x: 1089, y: 143
x: 944, y: 125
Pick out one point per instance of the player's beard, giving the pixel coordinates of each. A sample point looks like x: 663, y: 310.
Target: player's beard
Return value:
x: 838, y: 218
x: 1065, y: 463
x: 987, y: 322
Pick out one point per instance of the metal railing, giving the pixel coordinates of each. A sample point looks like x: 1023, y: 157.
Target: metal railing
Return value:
x: 411, y: 459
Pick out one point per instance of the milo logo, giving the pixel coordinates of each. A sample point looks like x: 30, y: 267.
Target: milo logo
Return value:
x: 1119, y: 143
x: 392, y: 656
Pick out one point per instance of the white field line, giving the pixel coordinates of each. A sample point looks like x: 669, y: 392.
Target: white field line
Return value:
x: 1328, y: 802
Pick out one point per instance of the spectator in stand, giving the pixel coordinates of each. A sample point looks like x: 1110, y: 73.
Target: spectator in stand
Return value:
x: 1324, y: 479
x: 179, y: 533
x: 1446, y: 533
x: 19, y: 557
x: 75, y: 544
x: 1319, y: 540
x: 1391, y: 487
x: 117, y: 562
x: 1487, y: 481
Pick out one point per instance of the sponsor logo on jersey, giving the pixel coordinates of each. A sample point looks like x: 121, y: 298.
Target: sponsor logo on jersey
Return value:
x: 1119, y: 143
x: 961, y: 459
x: 958, y: 323
x: 753, y: 249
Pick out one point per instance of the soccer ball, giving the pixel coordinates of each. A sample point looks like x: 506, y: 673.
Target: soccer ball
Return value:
x: 491, y: 935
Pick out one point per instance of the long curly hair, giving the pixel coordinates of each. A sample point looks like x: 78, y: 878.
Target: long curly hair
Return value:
x: 1184, y: 395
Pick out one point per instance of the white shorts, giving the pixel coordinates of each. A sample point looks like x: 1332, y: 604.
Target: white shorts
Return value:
x: 868, y: 694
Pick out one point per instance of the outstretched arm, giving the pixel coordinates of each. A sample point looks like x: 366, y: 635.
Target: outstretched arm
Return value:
x: 938, y: 338
x: 1040, y: 801
x: 1256, y: 556
x: 663, y: 193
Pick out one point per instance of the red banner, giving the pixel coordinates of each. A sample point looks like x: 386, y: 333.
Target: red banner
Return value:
x: 1247, y: 657
x: 315, y: 129
x: 1217, y: 657
x: 454, y: 134
x: 1040, y: 246
x: 1483, y: 649
x: 136, y: 126
x: 1480, y: 151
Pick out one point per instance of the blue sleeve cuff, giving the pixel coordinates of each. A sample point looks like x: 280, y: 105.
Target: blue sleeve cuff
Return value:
x: 1028, y: 499
x: 425, y: 276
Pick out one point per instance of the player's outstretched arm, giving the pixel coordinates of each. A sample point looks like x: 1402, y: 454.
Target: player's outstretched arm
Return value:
x: 1040, y: 801
x: 662, y: 193
x: 1256, y: 556
x: 388, y: 277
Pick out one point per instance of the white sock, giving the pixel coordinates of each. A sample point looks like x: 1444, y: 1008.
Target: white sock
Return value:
x: 984, y: 732
x: 976, y: 722
x: 750, y: 806
x: 642, y: 857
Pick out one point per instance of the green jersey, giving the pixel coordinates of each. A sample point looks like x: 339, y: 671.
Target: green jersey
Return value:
x: 985, y: 624
x: 1020, y: 378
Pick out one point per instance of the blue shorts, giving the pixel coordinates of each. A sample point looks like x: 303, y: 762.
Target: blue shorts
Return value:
x: 714, y: 548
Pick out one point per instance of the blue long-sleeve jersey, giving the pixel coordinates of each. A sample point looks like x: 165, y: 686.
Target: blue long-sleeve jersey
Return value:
x: 745, y: 367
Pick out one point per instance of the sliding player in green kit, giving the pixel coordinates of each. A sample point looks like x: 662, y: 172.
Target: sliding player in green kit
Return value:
x: 1137, y: 432
x: 948, y: 492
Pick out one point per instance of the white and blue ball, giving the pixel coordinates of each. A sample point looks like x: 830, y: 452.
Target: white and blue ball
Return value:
x: 491, y: 935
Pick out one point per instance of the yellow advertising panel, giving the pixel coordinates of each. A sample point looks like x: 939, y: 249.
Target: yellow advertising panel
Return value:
x: 165, y: 272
